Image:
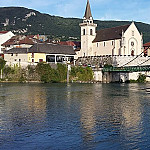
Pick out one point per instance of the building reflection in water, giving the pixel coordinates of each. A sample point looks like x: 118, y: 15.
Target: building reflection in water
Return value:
x: 115, y: 110
x: 88, y: 112
x: 22, y: 109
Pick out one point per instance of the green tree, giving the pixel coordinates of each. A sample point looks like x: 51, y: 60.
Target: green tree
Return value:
x: 61, y: 72
x: 2, y: 65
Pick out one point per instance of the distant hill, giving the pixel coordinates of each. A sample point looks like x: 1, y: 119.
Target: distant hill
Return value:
x: 27, y: 21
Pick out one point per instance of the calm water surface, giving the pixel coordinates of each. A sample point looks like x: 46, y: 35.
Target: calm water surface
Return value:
x: 74, y: 116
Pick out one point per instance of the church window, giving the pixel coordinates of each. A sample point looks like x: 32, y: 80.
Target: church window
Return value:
x: 97, y: 44
x: 132, y: 43
x: 132, y: 53
x: 132, y: 33
x: 91, y: 32
x: 83, y: 31
x: 104, y: 44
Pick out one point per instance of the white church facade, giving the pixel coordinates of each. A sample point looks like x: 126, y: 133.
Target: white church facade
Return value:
x: 123, y: 40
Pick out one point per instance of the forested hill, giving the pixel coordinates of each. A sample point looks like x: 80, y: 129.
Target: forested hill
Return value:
x: 27, y: 21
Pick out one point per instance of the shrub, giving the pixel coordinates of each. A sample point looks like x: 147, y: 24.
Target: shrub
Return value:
x: 81, y: 74
x: 141, y: 78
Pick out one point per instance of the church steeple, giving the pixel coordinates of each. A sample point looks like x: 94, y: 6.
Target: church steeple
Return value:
x: 88, y: 14
x: 88, y: 32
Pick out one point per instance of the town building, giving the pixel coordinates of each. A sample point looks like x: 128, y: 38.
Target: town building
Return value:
x: 40, y: 52
x: 4, y: 36
x: 20, y: 41
x: 146, y: 49
x: 123, y: 40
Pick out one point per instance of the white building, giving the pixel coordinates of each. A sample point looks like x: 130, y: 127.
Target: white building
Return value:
x: 4, y: 36
x: 119, y: 41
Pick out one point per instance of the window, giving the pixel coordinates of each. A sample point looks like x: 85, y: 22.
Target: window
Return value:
x: 12, y: 54
x: 59, y: 58
x: 32, y: 55
x: 15, y: 59
x: 40, y: 60
x: 50, y: 58
x: 32, y: 60
x: 132, y: 53
x: 19, y: 60
x: 132, y: 43
x: 132, y: 33
x: 83, y: 31
x: 112, y: 43
x: 91, y: 32
x: 104, y: 44
x: 16, y: 54
x: 97, y: 44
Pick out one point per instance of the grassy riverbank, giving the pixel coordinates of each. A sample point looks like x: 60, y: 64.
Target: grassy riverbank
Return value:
x: 45, y: 73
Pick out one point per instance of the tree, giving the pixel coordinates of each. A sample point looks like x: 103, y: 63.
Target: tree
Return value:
x: 2, y: 65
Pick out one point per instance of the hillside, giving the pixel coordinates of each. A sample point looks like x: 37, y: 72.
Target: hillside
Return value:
x: 27, y: 21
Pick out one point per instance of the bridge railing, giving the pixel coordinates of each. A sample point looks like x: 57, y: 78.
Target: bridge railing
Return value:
x: 127, y: 69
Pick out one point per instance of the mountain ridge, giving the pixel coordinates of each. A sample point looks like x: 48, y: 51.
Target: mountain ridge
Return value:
x: 21, y: 20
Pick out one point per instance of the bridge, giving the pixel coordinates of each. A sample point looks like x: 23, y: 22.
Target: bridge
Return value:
x: 127, y: 69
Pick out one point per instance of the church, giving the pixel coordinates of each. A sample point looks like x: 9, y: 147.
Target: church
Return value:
x: 123, y: 40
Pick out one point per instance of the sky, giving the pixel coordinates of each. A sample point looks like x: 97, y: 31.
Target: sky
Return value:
x: 120, y: 10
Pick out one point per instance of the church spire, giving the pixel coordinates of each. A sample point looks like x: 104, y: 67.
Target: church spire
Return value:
x: 88, y: 14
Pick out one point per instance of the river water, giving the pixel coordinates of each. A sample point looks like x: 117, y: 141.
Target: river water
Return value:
x: 74, y: 116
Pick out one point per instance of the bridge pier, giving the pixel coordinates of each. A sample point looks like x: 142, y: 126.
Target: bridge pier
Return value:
x: 106, y: 77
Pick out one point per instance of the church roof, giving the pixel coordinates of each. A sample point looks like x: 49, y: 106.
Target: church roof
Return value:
x: 88, y: 13
x: 110, y: 33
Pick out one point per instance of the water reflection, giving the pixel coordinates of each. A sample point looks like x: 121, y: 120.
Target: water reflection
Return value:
x: 21, y: 107
x: 110, y: 112
x: 75, y: 116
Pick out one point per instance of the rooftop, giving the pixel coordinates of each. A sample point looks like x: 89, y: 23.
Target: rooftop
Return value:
x: 110, y: 33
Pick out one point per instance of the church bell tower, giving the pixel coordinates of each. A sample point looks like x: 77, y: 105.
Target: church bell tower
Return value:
x: 88, y: 32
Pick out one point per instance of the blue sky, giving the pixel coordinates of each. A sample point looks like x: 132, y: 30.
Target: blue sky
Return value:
x: 136, y: 10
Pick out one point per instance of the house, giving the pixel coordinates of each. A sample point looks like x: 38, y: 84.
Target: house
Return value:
x: 16, y: 56
x: 117, y: 41
x: 4, y: 36
x: 146, y: 49
x: 20, y: 41
x: 76, y: 46
x: 51, y: 53
x: 40, y: 52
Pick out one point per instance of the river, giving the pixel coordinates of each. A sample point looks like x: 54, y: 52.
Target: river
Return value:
x: 74, y: 116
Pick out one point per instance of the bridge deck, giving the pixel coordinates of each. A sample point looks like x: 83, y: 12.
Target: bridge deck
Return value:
x: 127, y: 69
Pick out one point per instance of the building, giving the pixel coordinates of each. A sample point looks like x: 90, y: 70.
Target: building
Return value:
x: 16, y: 56
x: 117, y: 41
x: 146, y: 49
x: 50, y: 53
x: 20, y: 41
x: 4, y: 36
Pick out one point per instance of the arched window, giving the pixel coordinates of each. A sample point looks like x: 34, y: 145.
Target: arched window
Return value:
x: 132, y: 53
x: 91, y: 32
x: 83, y: 31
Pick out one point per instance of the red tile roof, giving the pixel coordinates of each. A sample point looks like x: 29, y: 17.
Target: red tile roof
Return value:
x: 3, y: 32
x: 26, y: 41
x: 70, y: 43
x: 147, y: 44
